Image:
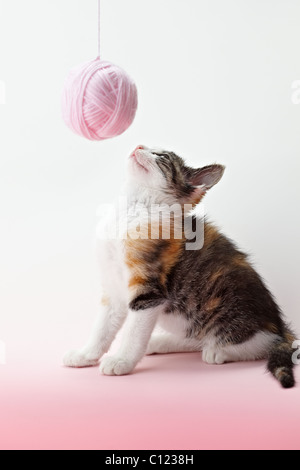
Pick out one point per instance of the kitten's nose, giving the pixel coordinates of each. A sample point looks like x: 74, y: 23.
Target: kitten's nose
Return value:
x: 139, y: 147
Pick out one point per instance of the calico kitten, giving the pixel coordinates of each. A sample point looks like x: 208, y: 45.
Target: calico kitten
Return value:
x: 210, y: 299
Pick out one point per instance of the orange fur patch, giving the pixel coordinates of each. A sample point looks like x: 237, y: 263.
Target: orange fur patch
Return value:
x: 212, y: 304
x: 210, y: 234
x: 136, y: 281
x: 272, y: 328
x: 241, y: 261
x: 220, y: 272
x: 138, y: 253
x: 289, y: 338
x: 169, y: 258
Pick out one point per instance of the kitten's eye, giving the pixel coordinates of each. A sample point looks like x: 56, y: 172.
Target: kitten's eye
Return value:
x: 161, y: 154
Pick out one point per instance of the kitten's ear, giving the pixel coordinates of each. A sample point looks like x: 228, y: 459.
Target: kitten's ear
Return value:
x: 206, y: 177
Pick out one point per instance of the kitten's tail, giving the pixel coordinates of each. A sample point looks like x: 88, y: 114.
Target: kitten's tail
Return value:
x: 280, y: 362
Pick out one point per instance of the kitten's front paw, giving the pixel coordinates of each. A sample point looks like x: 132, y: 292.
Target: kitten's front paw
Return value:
x: 213, y: 356
x: 113, y: 365
x: 79, y: 359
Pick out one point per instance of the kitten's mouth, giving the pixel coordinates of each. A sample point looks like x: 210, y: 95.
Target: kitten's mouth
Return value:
x: 136, y: 158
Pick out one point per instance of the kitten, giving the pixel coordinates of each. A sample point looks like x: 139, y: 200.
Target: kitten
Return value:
x: 210, y: 299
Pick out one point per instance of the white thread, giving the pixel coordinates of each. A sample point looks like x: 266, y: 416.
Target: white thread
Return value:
x: 99, y: 24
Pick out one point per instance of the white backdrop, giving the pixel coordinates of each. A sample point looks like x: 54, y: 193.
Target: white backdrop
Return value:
x: 215, y: 84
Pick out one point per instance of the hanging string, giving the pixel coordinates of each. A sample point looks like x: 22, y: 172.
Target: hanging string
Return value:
x: 99, y: 24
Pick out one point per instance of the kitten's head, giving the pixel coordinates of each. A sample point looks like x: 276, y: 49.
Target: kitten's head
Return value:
x: 166, y: 176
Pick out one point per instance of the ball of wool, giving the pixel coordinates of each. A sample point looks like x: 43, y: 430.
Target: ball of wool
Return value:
x: 99, y: 100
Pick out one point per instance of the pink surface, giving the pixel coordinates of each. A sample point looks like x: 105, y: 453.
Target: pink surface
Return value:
x: 170, y: 402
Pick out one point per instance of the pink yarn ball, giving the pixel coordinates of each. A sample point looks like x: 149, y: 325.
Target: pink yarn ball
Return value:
x: 99, y: 100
